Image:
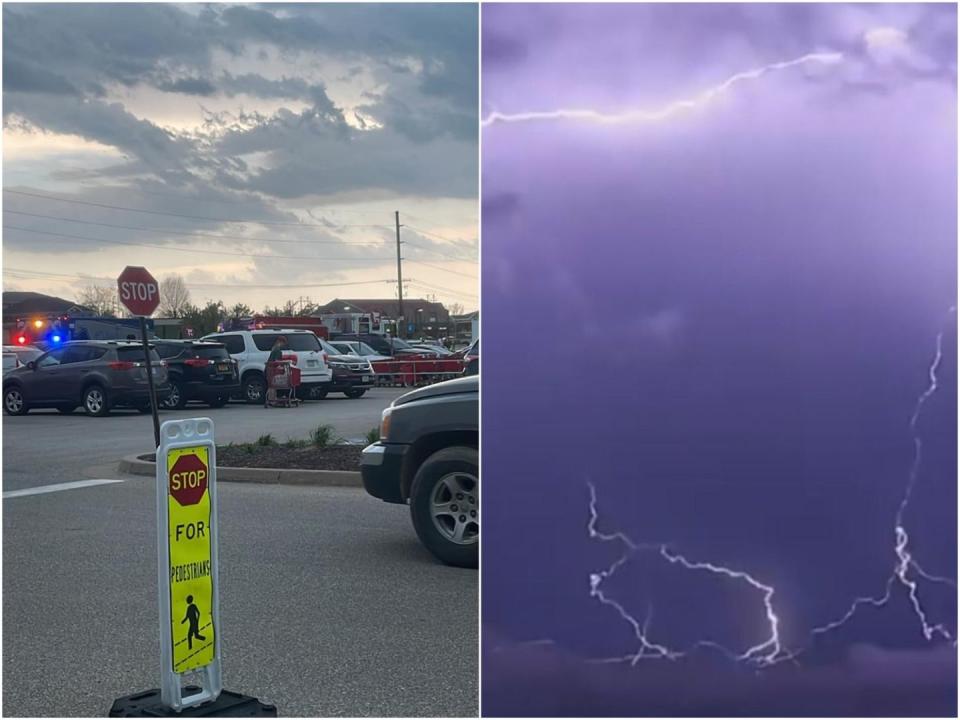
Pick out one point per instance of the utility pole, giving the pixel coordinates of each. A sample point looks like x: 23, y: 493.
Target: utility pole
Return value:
x: 401, y: 322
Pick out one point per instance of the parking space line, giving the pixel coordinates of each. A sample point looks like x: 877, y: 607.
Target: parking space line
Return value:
x: 56, y: 488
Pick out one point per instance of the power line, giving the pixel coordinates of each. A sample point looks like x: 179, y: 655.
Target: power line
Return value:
x: 180, y: 215
x: 437, y: 267
x: 441, y: 289
x: 433, y: 234
x: 441, y: 254
x: 224, y: 201
x: 192, y: 250
x: 31, y: 274
x: 216, y: 236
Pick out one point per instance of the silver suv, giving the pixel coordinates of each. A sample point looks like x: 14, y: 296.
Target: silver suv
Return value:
x: 251, y: 348
x: 97, y: 375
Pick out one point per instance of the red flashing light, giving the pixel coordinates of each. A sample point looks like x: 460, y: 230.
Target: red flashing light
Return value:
x: 21, y: 340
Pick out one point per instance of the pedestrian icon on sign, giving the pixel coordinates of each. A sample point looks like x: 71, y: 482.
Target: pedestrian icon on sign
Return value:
x: 193, y: 617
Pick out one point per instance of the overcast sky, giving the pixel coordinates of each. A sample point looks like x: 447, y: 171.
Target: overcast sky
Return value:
x: 296, y: 130
x: 747, y: 261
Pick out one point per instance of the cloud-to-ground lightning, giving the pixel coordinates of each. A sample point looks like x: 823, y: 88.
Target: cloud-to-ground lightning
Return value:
x: 766, y: 652
x: 906, y: 572
x: 905, y: 561
x: 640, y: 115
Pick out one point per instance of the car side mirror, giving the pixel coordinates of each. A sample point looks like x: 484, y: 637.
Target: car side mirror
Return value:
x: 32, y: 364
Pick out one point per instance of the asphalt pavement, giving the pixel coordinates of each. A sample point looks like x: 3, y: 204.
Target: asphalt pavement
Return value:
x: 329, y: 605
x: 45, y: 447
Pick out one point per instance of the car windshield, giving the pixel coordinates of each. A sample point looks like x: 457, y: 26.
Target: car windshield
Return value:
x: 401, y: 344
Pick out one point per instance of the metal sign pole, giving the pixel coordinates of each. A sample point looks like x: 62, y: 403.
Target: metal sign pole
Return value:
x: 153, y: 389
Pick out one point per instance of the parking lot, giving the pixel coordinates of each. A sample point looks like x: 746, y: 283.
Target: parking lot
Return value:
x: 326, y: 594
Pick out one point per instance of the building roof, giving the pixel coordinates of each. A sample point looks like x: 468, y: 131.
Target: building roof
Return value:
x: 388, y: 307
x: 18, y: 304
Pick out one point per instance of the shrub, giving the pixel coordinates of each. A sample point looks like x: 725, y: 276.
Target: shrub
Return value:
x: 266, y: 440
x: 373, y: 435
x: 322, y: 436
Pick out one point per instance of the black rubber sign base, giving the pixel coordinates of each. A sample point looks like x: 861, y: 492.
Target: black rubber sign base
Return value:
x: 229, y: 704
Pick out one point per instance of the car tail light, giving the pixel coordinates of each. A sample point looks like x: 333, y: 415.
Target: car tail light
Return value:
x: 198, y: 362
x: 123, y: 365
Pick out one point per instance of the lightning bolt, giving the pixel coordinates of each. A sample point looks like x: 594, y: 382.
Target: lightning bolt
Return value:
x: 674, y: 108
x: 904, y: 558
x: 771, y: 651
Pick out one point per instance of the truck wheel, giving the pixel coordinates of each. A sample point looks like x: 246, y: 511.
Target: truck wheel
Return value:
x: 95, y: 401
x: 355, y: 392
x: 445, y: 505
x: 13, y: 402
x: 254, y: 387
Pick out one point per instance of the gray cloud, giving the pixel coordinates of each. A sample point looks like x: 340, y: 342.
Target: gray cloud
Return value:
x: 60, y: 62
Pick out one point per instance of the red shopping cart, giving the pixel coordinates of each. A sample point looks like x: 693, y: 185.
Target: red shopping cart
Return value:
x: 283, y: 379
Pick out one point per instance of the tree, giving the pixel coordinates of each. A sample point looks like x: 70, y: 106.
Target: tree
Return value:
x: 174, y: 296
x: 240, y: 310
x: 456, y: 308
x: 204, y: 320
x: 101, y: 300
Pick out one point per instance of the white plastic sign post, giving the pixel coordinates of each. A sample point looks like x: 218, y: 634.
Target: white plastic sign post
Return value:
x: 187, y: 561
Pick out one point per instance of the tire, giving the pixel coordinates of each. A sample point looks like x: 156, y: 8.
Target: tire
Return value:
x: 317, y: 393
x: 96, y: 402
x: 449, y: 479
x: 254, y: 387
x: 355, y: 393
x: 14, y: 402
x: 218, y: 402
x: 177, y: 399
x: 66, y: 409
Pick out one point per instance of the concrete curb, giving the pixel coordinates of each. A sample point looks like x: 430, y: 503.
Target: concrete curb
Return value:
x: 132, y: 465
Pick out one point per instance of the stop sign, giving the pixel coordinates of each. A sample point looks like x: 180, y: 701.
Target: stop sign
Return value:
x: 188, y: 479
x: 139, y: 291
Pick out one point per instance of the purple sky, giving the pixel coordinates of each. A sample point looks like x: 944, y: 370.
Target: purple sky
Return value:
x: 732, y: 310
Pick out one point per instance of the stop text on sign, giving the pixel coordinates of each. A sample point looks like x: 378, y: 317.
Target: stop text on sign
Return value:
x: 138, y: 291
x: 189, y: 480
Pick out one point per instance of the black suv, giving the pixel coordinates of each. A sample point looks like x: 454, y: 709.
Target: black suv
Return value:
x: 95, y: 374
x: 198, y: 371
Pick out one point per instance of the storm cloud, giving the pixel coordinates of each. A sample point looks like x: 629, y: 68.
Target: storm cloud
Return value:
x: 280, y: 110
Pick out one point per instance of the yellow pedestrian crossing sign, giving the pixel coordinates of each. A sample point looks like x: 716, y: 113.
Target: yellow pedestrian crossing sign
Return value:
x: 188, y: 562
x: 191, y: 585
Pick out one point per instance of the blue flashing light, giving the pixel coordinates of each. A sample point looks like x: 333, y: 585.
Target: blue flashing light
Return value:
x: 56, y: 338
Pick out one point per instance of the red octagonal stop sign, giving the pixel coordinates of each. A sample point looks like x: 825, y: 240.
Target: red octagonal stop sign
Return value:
x: 139, y: 290
x: 188, y: 479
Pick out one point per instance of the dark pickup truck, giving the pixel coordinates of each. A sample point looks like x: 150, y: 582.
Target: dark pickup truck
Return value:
x: 428, y: 457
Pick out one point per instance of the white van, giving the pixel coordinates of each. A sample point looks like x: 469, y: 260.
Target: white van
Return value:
x: 251, y: 348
